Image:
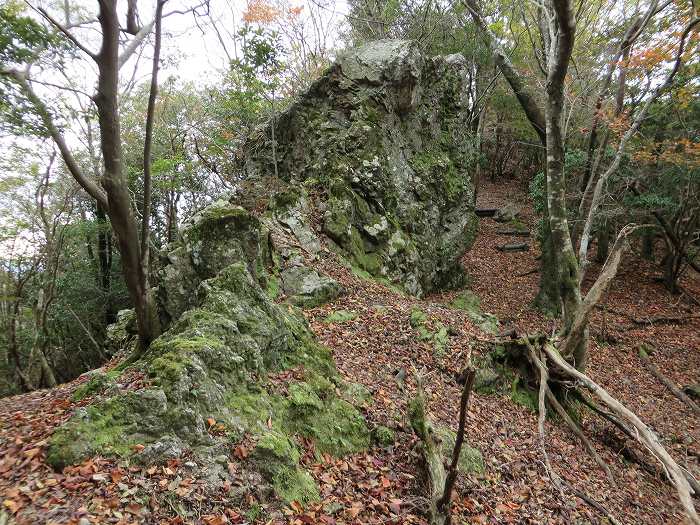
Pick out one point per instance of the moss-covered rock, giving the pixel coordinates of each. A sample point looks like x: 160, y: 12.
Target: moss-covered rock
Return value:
x: 306, y: 288
x: 470, y: 303
x: 212, y: 363
x: 383, y: 436
x: 98, y: 382
x: 121, y: 335
x: 277, y: 457
x: 438, y: 335
x: 470, y: 459
x: 380, y: 137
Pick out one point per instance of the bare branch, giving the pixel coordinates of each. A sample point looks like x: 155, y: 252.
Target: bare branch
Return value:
x: 87, y: 184
x: 597, y: 194
x: 63, y: 30
x: 514, y: 79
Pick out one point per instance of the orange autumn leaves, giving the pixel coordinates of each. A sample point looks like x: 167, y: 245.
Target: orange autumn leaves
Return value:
x: 266, y: 13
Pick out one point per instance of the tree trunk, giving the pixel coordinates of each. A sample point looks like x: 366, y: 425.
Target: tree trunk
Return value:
x: 648, y: 236
x: 115, y: 182
x: 104, y: 255
x: 603, y: 245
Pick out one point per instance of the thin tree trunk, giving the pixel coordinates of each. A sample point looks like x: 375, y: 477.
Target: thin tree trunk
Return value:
x: 115, y: 183
x: 148, y: 142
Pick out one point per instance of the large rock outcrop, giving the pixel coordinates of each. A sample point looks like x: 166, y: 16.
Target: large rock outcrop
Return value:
x: 380, y: 143
x: 207, y: 381
x: 374, y: 162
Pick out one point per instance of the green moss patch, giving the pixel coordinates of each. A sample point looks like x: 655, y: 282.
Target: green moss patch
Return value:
x: 469, y: 302
x: 438, y: 335
x: 98, y: 383
x: 340, y: 316
x: 470, y: 459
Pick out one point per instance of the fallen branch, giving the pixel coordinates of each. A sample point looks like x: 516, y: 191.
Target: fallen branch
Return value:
x: 653, y: 369
x: 443, y: 505
x: 579, y: 433
x: 529, y: 272
x: 441, y: 483
x: 542, y: 414
x: 606, y: 415
x: 593, y: 503
x: 675, y: 473
x: 658, y: 319
x: 485, y: 212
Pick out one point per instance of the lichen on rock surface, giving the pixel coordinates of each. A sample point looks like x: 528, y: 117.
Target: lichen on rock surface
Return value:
x: 381, y: 138
x: 225, y: 335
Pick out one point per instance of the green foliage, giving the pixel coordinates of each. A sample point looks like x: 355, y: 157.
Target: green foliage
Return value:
x: 23, y: 41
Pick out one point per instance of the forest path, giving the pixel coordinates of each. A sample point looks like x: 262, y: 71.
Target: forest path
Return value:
x: 373, y: 343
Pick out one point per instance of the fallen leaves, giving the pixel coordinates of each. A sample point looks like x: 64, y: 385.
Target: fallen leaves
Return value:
x: 380, y: 485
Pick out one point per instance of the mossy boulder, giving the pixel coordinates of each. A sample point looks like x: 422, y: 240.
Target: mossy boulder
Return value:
x: 380, y: 138
x: 469, y: 302
x: 121, y: 335
x: 277, y: 457
x: 224, y: 336
x: 340, y: 316
x: 98, y: 381
x: 470, y: 459
x: 306, y: 288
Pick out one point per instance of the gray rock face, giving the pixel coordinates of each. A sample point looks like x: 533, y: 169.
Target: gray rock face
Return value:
x: 307, y: 288
x: 380, y: 143
x: 224, y: 335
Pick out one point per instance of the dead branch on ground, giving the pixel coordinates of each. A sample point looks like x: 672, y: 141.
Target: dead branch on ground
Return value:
x: 654, y: 370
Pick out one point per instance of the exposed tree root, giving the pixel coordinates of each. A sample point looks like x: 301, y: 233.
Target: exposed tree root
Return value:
x: 643, y: 434
x: 579, y: 433
x: 558, y: 481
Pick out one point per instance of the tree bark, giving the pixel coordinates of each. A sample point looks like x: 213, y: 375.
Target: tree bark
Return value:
x: 567, y: 266
x: 115, y: 182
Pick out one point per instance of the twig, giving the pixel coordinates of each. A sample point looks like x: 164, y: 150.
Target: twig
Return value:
x: 593, y: 503
x: 653, y: 369
x: 444, y: 503
x: 579, y: 433
x: 529, y: 272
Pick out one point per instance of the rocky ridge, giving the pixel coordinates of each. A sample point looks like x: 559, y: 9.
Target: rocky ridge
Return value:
x: 373, y: 164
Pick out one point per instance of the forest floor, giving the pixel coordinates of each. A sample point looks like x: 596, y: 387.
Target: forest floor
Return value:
x: 382, y: 485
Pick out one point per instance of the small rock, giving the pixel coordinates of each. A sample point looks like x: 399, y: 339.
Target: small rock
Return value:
x: 507, y: 213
